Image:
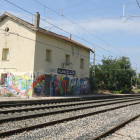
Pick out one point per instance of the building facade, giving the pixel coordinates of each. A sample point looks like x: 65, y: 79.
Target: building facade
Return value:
x: 37, y: 62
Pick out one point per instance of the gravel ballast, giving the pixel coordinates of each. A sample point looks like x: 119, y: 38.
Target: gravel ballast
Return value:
x: 130, y: 131
x: 85, y: 128
x: 24, y: 113
x: 34, y: 121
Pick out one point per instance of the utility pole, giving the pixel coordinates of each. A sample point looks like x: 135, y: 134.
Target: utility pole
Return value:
x: 94, y: 68
x: 136, y: 77
x: 123, y: 12
x: 131, y: 84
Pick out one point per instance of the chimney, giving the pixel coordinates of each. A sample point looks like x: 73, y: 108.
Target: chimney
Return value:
x: 70, y: 36
x: 37, y: 20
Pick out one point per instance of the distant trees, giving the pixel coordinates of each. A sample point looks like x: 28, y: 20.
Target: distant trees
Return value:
x: 113, y: 74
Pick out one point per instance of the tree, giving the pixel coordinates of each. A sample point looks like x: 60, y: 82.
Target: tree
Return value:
x: 113, y: 74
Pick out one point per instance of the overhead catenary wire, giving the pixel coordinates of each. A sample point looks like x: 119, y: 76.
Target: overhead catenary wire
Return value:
x: 48, y: 44
x: 96, y: 54
x: 66, y: 31
x: 94, y: 9
x: 31, y: 19
x: 63, y: 30
x: 44, y: 43
x: 138, y: 3
x: 98, y: 20
x: 81, y: 27
x: 70, y: 6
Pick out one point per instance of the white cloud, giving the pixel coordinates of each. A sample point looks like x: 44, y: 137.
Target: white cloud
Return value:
x: 132, y: 26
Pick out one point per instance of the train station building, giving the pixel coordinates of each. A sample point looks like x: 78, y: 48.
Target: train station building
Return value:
x: 37, y: 62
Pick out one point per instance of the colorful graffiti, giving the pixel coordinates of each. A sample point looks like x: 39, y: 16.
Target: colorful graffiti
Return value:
x: 58, y: 85
x: 66, y: 86
x: 3, y: 78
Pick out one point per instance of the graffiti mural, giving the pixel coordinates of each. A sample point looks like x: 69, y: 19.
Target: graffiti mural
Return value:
x: 59, y: 85
x: 3, y: 78
x: 66, y: 86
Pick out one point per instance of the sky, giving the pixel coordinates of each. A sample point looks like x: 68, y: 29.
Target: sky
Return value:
x: 94, y: 23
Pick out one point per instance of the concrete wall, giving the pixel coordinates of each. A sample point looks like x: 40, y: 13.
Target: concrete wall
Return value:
x: 59, y: 50
x: 21, y: 50
x: 60, y: 84
x: 27, y: 68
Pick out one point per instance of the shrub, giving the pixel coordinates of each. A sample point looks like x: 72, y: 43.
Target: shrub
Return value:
x: 9, y: 95
x: 116, y: 92
x: 125, y: 89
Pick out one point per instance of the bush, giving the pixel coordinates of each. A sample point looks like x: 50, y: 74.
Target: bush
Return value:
x: 116, y: 92
x: 125, y: 89
x: 9, y: 95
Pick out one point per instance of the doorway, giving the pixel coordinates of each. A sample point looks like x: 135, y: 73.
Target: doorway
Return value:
x: 47, y: 85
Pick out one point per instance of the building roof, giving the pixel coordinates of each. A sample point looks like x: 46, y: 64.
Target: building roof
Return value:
x: 41, y: 30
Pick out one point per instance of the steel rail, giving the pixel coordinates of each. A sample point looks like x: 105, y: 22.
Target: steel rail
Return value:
x: 31, y: 102
x: 59, y: 111
x: 112, y: 130
x: 3, y: 134
x: 35, y: 103
x: 57, y: 106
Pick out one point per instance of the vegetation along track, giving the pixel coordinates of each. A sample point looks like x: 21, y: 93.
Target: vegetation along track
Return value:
x: 40, y: 125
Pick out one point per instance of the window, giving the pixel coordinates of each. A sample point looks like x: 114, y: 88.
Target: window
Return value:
x: 67, y: 59
x: 82, y: 63
x: 49, y: 55
x: 6, y: 29
x: 5, y: 54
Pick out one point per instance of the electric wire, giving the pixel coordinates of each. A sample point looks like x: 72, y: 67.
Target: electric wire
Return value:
x: 70, y: 6
x: 30, y: 19
x: 94, y: 9
x: 81, y: 27
x: 62, y: 29
x: 48, y: 44
x: 96, y: 20
x: 138, y: 3
x: 66, y: 31
x: 42, y: 43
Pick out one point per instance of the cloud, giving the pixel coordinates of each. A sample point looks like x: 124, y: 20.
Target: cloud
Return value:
x: 132, y: 26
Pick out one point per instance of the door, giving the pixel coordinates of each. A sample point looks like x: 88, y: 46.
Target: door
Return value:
x: 47, y: 84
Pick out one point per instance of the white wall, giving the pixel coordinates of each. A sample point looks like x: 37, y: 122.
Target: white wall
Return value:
x: 59, y: 50
x: 21, y: 49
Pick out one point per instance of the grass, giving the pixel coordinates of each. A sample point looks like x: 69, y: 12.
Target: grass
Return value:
x: 9, y: 95
x: 136, y: 90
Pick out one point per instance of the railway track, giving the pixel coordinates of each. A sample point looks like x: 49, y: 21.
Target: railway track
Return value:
x: 125, y: 103
x: 112, y: 130
x: 60, y: 105
x: 34, y: 102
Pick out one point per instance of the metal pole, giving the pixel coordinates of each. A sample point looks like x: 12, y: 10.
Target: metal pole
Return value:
x: 131, y: 84
x: 94, y: 68
x: 65, y: 88
x: 48, y: 24
x: 50, y: 89
x: 123, y: 11
x: 136, y: 77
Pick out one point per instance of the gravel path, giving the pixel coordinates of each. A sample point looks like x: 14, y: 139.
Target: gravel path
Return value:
x: 81, y: 129
x: 24, y: 113
x: 33, y: 121
x: 130, y: 131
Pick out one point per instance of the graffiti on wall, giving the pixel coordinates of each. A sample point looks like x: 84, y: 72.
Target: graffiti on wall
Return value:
x: 35, y: 85
x: 66, y: 86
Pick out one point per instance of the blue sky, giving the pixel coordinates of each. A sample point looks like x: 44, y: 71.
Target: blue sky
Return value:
x: 112, y: 32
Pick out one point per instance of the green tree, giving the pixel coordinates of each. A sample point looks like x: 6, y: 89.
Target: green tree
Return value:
x: 113, y: 74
